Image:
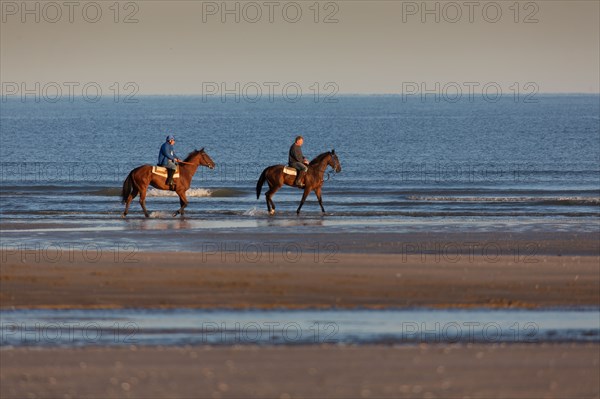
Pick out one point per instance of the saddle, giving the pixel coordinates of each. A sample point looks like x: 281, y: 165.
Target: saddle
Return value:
x: 288, y: 170
x: 162, y: 171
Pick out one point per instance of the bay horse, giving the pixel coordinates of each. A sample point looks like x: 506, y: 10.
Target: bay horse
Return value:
x: 140, y: 178
x: 313, y: 179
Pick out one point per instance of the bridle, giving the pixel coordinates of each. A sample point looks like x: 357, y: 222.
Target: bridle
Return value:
x: 203, y: 157
x: 336, y: 163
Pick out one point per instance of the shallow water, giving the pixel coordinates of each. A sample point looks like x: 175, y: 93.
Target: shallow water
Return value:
x: 290, y: 327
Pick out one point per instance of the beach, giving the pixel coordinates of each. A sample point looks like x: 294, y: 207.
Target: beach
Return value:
x: 229, y: 280
x: 176, y: 280
x: 152, y: 279
x: 425, y: 371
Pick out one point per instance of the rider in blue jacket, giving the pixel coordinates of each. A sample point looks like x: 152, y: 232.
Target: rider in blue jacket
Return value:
x: 168, y: 159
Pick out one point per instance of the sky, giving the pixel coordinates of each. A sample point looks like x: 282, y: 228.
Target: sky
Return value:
x: 329, y: 47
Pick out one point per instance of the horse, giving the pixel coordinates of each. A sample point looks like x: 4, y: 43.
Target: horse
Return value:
x: 313, y: 179
x: 141, y: 177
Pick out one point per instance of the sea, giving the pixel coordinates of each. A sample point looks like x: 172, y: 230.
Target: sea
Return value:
x: 408, y: 164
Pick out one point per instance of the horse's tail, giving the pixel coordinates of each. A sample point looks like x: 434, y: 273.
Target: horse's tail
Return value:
x: 261, y: 182
x: 127, y: 187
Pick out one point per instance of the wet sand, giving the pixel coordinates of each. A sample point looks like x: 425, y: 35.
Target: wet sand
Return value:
x: 200, y: 280
x: 424, y: 371
x: 313, y: 280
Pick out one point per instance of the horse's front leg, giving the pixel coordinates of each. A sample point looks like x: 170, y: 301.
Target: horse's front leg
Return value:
x: 318, y: 194
x: 304, y: 195
x: 182, y: 203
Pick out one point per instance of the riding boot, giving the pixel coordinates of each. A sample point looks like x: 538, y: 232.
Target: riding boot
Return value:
x: 170, y: 183
x: 298, y: 181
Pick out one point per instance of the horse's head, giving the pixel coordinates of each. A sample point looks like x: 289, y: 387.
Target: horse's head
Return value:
x: 201, y: 157
x: 206, y: 160
x: 334, y: 162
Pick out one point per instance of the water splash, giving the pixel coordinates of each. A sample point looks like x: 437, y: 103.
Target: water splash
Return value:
x: 254, y: 212
x: 192, y: 192
x: 160, y: 215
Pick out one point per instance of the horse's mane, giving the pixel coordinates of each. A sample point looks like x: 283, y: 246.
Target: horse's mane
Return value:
x: 192, y: 154
x: 319, y: 158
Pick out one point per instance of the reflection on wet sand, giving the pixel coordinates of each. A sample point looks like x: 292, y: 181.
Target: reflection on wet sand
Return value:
x: 163, y: 224
x: 273, y: 222
x: 178, y: 223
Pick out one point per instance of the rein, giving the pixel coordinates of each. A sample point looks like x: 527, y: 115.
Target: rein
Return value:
x: 192, y: 163
x: 323, y: 180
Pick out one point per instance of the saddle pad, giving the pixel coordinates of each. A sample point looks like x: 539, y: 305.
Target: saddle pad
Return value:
x: 162, y: 171
x: 288, y: 170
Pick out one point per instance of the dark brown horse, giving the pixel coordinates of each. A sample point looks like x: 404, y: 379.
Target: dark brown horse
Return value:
x: 313, y: 180
x: 141, y: 177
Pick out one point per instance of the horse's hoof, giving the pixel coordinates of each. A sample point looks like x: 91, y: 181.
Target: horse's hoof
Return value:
x: 175, y: 214
x: 272, y: 212
x: 123, y: 215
